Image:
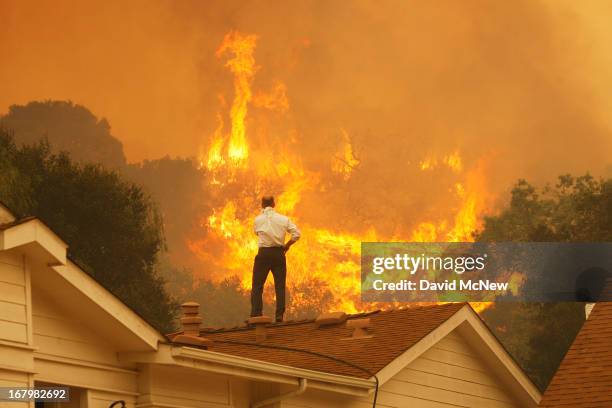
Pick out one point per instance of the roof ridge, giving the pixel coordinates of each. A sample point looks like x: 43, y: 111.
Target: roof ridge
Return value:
x: 393, y: 332
x: 312, y: 320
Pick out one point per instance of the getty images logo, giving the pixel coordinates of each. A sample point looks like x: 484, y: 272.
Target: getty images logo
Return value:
x: 412, y: 264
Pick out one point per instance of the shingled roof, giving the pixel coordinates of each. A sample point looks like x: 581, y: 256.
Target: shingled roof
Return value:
x: 584, y: 378
x: 323, y: 348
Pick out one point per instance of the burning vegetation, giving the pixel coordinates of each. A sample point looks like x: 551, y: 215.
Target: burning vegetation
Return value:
x: 255, y: 151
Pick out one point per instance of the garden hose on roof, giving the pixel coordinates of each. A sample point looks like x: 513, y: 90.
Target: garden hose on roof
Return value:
x: 314, y: 353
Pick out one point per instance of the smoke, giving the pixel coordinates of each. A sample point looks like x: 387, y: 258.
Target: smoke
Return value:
x: 512, y: 86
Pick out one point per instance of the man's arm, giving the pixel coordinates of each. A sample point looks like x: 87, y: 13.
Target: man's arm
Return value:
x: 257, y: 224
x: 295, y: 234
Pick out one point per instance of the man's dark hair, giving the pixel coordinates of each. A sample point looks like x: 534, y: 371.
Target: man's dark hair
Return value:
x: 267, y: 201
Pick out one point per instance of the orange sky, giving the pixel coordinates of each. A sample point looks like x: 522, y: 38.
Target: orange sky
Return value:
x: 443, y: 74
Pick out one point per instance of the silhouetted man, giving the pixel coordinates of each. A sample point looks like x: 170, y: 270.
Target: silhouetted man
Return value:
x: 271, y: 228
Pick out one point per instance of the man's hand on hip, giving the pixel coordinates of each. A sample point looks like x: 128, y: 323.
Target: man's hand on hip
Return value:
x: 288, y: 245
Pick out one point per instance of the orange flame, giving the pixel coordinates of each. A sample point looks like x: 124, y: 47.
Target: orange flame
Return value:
x: 242, y: 65
x: 453, y: 161
x: 324, y: 256
x: 345, y: 162
x: 276, y: 100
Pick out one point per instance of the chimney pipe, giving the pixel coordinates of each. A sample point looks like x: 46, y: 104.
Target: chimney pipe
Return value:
x: 260, y: 323
x: 191, y: 323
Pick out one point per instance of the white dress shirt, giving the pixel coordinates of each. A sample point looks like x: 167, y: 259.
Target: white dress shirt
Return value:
x: 271, y: 228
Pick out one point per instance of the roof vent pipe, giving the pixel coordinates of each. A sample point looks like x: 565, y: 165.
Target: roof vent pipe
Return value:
x: 260, y: 323
x: 360, y: 327
x: 191, y: 323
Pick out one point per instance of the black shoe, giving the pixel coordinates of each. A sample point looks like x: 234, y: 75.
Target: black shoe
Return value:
x: 279, y: 319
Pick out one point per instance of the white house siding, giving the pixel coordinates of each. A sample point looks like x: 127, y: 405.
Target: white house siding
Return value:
x: 16, y: 363
x: 169, y: 386
x: 59, y: 336
x: 450, y: 374
x: 41, y: 344
x: 13, y: 299
x: 70, y: 353
x: 11, y: 378
x: 101, y: 399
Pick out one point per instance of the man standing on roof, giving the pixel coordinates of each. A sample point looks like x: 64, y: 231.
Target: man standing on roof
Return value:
x: 271, y: 228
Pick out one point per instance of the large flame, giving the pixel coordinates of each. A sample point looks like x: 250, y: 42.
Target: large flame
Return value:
x: 242, y: 65
x: 326, y: 259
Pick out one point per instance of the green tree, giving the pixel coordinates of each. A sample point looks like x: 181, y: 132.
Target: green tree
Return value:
x: 175, y: 184
x: 111, y: 226
x: 15, y: 189
x: 574, y: 210
x: 67, y: 127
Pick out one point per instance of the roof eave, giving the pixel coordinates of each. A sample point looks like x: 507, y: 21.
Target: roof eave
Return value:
x: 35, y: 239
x: 221, y: 363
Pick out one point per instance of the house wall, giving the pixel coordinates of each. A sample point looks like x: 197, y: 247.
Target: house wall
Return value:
x: 70, y: 353
x: 172, y: 386
x: 13, y: 299
x: 450, y: 374
x: 16, y: 348
x: 41, y: 344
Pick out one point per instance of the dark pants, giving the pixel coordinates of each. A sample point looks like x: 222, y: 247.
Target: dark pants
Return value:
x: 269, y: 259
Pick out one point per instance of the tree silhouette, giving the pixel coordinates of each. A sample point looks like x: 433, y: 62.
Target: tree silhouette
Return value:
x: 111, y: 226
x: 67, y: 127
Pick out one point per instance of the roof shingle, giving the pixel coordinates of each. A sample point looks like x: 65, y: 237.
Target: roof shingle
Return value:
x: 584, y: 378
x: 330, y: 348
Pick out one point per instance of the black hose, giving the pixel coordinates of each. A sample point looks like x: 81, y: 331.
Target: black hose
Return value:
x: 314, y: 353
x: 122, y: 402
